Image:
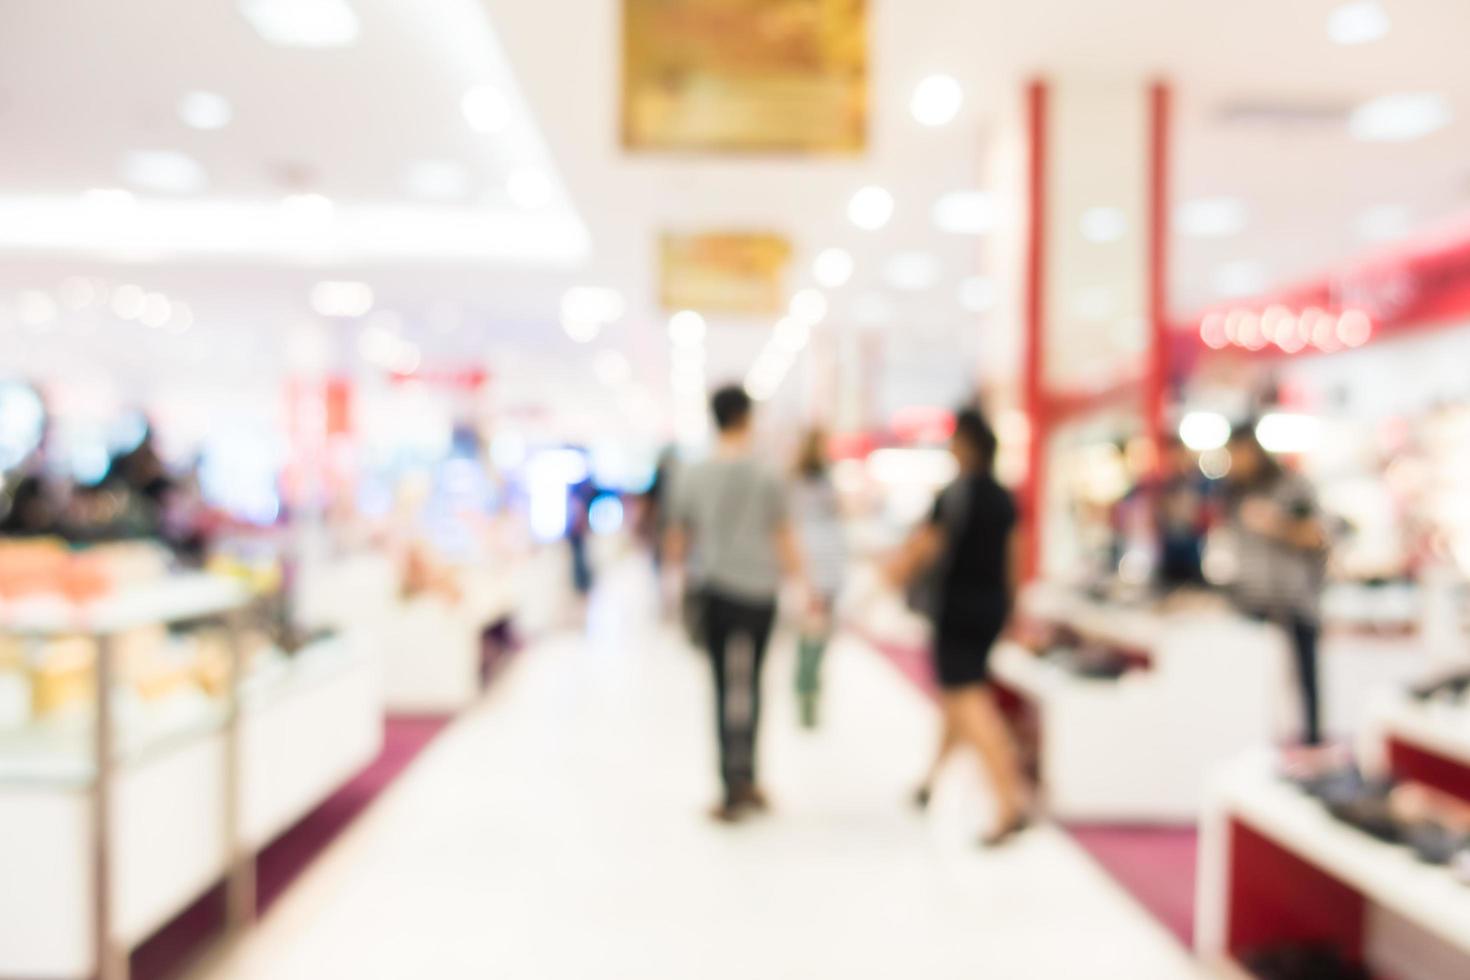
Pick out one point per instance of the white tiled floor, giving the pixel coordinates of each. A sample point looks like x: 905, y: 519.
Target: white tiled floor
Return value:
x: 557, y: 832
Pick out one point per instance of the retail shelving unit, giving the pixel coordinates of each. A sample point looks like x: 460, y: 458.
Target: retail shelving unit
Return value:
x: 1140, y: 748
x: 1276, y: 867
x: 156, y: 814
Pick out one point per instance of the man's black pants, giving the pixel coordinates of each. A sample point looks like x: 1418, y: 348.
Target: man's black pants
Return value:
x: 736, y: 632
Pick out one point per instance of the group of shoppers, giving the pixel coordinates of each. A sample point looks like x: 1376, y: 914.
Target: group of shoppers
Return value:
x: 740, y: 534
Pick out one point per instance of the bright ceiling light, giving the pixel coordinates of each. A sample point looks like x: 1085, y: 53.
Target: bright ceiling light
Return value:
x: 127, y: 301
x: 967, y: 213
x: 307, y: 207
x: 687, y: 329
x: 937, y: 100
x: 1354, y: 328
x: 809, y: 306
x: 1284, y: 432
x: 833, y: 267
x: 593, y: 304
x: 1359, y: 22
x: 1210, y: 217
x: 793, y: 334
x: 978, y: 294
x: 205, y: 110
x: 1384, y: 223
x: 870, y: 208
x: 437, y: 180
x: 529, y: 189
x: 336, y: 298
x: 182, y: 320
x: 302, y: 23
x: 912, y: 271
x: 1102, y: 225
x: 611, y: 367
x: 156, y: 310
x: 164, y: 171
x: 582, y: 331
x: 1204, y: 431
x: 486, y: 109
x: 1240, y: 278
x: 1401, y: 117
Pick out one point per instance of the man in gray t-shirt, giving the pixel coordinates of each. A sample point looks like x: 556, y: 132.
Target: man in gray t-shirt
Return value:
x: 728, y: 528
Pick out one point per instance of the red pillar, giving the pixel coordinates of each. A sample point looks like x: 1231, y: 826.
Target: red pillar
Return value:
x: 1033, y: 393
x: 1156, y: 386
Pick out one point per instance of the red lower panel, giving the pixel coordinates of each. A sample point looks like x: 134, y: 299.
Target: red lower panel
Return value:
x: 1276, y: 897
x: 1411, y: 762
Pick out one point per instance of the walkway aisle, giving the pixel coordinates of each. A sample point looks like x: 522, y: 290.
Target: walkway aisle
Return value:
x: 557, y: 833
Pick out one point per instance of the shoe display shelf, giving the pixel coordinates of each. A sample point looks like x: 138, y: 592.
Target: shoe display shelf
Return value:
x: 1275, y: 867
x: 111, y: 826
x: 1137, y: 749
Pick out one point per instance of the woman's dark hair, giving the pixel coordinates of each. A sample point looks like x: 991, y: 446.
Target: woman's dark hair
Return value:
x: 1244, y: 436
x: 811, y: 458
x: 731, y: 407
x: 971, y: 428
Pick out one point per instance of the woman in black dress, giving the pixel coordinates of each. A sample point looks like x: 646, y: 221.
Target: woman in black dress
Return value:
x: 963, y: 555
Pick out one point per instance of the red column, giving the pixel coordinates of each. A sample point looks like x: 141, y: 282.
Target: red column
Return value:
x: 1156, y: 385
x: 1033, y: 394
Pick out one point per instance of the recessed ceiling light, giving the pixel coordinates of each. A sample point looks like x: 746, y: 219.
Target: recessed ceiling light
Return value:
x: 1384, y: 223
x: 593, y: 304
x: 833, y: 267
x: 977, y: 294
x: 687, y: 329
x: 1102, y: 225
x: 967, y: 213
x: 127, y: 301
x: 1401, y: 117
x: 302, y: 23
x: 486, y: 109
x: 870, y: 208
x: 156, y: 310
x: 937, y: 100
x: 582, y: 331
x: 611, y: 367
x: 182, y: 320
x: 437, y: 180
x: 1240, y: 278
x: 307, y: 207
x: 164, y: 171
x: 1359, y: 22
x: 793, y: 333
x: 113, y: 197
x: 1210, y: 217
x: 336, y: 298
x: 912, y: 271
x: 809, y: 306
x: 205, y: 110
x: 529, y: 189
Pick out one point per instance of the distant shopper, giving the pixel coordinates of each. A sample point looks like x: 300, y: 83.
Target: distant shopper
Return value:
x: 958, y: 566
x: 1183, y: 518
x: 818, y: 520
x: 1281, y: 551
x: 729, y: 523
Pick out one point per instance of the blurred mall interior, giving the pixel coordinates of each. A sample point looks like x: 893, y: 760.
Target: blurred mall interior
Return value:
x: 385, y: 592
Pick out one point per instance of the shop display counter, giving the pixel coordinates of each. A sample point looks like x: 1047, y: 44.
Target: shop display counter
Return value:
x: 1276, y: 867
x: 112, y: 824
x: 1196, y: 690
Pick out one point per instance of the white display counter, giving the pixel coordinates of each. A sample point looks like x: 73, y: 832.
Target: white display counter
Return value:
x: 431, y: 647
x: 1276, y: 867
x: 188, y: 793
x: 1139, y: 749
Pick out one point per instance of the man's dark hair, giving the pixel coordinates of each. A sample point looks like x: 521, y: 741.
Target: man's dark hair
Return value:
x: 731, y: 407
x: 971, y: 428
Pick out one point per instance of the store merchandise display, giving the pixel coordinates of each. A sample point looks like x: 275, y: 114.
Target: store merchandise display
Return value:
x: 1371, y: 848
x: 222, y: 724
x: 1193, y: 670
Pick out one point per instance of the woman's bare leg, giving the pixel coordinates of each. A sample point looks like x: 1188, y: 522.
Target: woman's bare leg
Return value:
x: 949, y: 740
x: 978, y: 721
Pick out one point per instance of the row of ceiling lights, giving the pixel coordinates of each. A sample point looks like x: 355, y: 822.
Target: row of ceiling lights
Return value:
x: 40, y: 309
x: 1287, y: 330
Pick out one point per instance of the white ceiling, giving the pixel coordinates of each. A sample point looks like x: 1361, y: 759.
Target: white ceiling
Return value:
x: 84, y: 81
